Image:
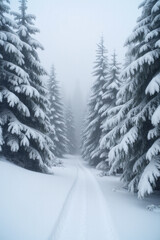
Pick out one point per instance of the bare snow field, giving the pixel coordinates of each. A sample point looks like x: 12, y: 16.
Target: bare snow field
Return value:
x: 73, y: 204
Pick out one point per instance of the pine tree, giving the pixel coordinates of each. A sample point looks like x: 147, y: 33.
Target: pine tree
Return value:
x: 114, y: 121
x: 70, y: 127
x: 108, y: 109
x: 58, y: 134
x: 138, y: 149
x: 129, y: 58
x: 22, y: 115
x: 94, y: 121
x: 84, y: 135
x: 11, y: 60
x: 78, y: 111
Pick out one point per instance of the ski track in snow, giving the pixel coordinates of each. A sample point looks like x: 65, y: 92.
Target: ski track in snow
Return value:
x: 84, y: 215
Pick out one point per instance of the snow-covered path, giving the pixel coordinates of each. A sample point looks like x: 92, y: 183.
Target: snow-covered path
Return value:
x: 70, y: 205
x: 84, y: 215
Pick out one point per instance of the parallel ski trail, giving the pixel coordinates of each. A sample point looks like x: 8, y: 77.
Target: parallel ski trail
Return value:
x: 85, y: 215
x: 73, y: 212
x: 99, y: 225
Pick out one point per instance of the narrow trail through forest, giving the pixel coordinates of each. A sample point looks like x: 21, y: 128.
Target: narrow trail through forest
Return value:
x: 84, y: 215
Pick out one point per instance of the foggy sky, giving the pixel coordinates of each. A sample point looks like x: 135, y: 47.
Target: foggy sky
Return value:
x: 70, y: 30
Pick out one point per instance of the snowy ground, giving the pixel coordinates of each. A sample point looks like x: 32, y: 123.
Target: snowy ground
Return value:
x: 132, y: 219
x: 73, y: 204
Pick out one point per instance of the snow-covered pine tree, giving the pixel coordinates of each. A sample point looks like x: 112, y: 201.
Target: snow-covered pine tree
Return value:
x: 84, y: 134
x: 113, y: 123
x: 22, y: 117
x: 11, y: 59
x: 129, y: 58
x: 107, y: 110
x: 70, y: 129
x: 78, y: 112
x: 94, y: 121
x: 138, y: 149
x: 58, y: 134
x: 151, y: 172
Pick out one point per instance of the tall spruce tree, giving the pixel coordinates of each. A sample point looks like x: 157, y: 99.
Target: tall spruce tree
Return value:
x: 112, y: 124
x: 23, y: 120
x: 58, y: 134
x: 11, y: 73
x: 70, y: 129
x: 107, y: 110
x: 139, y: 147
x: 78, y: 111
x: 91, y: 151
x: 112, y: 127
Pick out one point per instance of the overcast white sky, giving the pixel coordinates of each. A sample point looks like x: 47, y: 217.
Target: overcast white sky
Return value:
x: 70, y: 30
